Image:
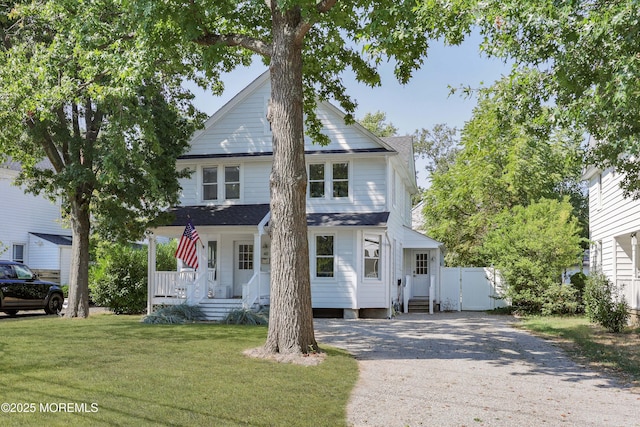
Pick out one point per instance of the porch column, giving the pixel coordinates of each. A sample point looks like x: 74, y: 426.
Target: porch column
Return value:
x: 257, y: 249
x: 634, y: 255
x: 151, y: 270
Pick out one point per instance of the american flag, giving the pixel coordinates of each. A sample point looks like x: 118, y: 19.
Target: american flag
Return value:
x: 187, y: 250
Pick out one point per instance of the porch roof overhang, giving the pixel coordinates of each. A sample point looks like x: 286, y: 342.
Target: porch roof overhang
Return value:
x: 342, y: 219
x: 219, y: 215
x: 416, y: 240
x: 56, y: 239
x: 247, y: 215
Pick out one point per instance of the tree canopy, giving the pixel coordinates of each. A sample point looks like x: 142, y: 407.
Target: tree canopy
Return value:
x: 78, y: 88
x: 582, y: 56
x: 377, y: 124
x: 501, y: 164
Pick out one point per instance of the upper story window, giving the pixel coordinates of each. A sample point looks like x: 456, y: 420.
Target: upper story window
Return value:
x: 340, y: 180
x: 210, y: 183
x: 328, y: 180
x: 232, y: 182
x: 229, y: 179
x: 316, y: 180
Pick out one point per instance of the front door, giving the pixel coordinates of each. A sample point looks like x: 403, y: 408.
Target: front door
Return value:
x: 242, y: 265
x: 421, y: 279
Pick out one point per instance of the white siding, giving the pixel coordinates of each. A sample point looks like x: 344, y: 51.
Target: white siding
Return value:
x: 612, y: 221
x: 242, y: 127
x: 44, y: 254
x: 256, y: 182
x: 615, y: 217
x: 339, y: 291
x: 24, y: 213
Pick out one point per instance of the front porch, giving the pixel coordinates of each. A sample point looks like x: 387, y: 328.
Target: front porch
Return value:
x: 233, y: 270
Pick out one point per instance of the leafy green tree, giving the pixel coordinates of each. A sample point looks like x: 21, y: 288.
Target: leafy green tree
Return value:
x: 78, y: 88
x: 439, y: 146
x: 307, y: 45
x: 531, y: 246
x: 501, y: 164
x: 582, y: 55
x: 377, y: 124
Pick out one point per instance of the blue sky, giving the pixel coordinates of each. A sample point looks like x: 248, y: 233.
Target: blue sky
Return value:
x: 422, y: 103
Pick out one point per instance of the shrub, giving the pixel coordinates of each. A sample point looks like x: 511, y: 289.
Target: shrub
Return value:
x: 559, y: 299
x: 578, y: 281
x: 531, y: 246
x: 118, y: 280
x: 604, y: 303
x: 172, y: 314
x: 245, y: 316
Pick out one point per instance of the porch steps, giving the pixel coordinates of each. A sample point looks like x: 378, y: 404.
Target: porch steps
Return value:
x: 218, y: 308
x: 421, y: 305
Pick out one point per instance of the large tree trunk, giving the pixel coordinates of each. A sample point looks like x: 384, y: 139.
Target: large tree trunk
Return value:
x: 291, y: 316
x: 78, y: 302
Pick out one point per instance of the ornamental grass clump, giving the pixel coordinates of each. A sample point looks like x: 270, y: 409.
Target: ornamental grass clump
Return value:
x: 245, y: 316
x: 175, y: 314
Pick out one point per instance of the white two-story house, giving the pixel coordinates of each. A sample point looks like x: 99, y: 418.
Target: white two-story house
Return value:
x: 364, y: 256
x: 32, y: 229
x: 614, y: 231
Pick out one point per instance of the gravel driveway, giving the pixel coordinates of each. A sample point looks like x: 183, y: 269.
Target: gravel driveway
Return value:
x: 470, y: 369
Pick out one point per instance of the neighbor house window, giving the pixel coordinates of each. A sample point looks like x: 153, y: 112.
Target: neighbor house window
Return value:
x: 18, y: 253
x: 328, y: 180
x: 316, y: 180
x: 231, y: 182
x: 210, y: 183
x: 372, y: 256
x: 324, y: 256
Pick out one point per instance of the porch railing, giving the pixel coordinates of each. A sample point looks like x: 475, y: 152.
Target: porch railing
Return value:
x: 631, y: 290
x: 184, y: 285
x: 256, y: 289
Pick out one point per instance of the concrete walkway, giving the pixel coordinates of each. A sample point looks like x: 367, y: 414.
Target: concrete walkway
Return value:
x: 470, y: 369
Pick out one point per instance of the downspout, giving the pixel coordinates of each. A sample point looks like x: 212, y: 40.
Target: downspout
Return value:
x: 390, y: 274
x: 151, y: 270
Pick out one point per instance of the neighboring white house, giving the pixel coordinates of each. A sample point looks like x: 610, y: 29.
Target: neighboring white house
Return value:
x: 364, y: 255
x: 614, y: 229
x: 31, y: 228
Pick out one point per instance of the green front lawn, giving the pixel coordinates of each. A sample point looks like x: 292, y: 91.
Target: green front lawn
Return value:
x: 114, y: 370
x: 616, y: 354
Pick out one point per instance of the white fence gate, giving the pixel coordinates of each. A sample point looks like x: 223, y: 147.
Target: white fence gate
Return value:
x: 473, y: 289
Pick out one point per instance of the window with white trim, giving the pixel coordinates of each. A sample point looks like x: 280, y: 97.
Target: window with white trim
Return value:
x: 325, y: 256
x: 232, y: 182
x: 18, y: 252
x: 328, y: 180
x: 340, y: 180
x: 371, y: 248
x: 221, y: 183
x: 316, y: 180
x: 210, y: 183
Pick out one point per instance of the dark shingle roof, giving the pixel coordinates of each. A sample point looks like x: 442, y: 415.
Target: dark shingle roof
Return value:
x: 371, y: 219
x: 253, y: 214
x: 220, y: 215
x: 56, y: 239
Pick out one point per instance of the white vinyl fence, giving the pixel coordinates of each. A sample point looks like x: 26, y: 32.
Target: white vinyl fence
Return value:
x: 472, y: 289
